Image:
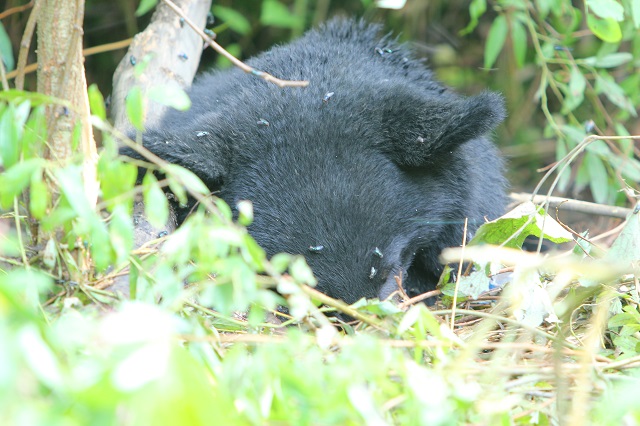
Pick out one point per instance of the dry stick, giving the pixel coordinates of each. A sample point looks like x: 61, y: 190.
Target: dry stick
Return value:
x: 24, y: 48
x: 238, y: 63
x: 16, y: 9
x: 341, y: 306
x: 420, y: 298
x: 455, y: 293
x: 569, y: 204
x: 85, y: 52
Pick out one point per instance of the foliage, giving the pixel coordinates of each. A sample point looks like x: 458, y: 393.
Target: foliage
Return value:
x: 196, y: 341
x: 585, y: 84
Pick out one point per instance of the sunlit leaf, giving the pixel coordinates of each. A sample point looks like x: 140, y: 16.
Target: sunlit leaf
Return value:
x: 96, y: 102
x: 605, y: 29
x: 135, y: 107
x: 156, y: 205
x: 145, y: 6
x: 170, y: 95
x: 607, y: 9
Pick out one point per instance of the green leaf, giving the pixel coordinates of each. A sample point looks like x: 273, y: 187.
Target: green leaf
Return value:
x: 121, y: 233
x: 235, y: 20
x: 39, y: 197
x: 626, y: 248
x: 96, y: 102
x: 474, y: 284
x: 519, y: 38
x: 635, y: 12
x: 100, y: 244
x: 71, y: 184
x: 172, y: 96
x: 477, y: 8
x: 35, y: 133
x: 611, y: 60
x: 495, y: 41
x: 188, y: 179
x: 607, y: 9
x: 145, y: 6
x: 116, y: 178
x: 605, y: 29
x: 598, y: 178
x: 6, y: 51
x: 577, y: 85
x: 606, y: 85
x: 277, y: 14
x: 156, y: 205
x: 15, y: 179
x: 135, y: 107
x: 514, y: 227
x: 11, y: 131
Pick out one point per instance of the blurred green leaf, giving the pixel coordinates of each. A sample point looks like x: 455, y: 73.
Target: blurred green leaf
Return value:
x: 172, y: 96
x: 606, y: 85
x: 611, y: 60
x: 277, y: 14
x: 145, y: 6
x: 626, y: 248
x: 598, y: 178
x: 6, y: 50
x: 121, y: 233
x: 134, y: 103
x: 577, y: 85
x: 477, y: 8
x: 15, y: 179
x: 35, y: 133
x: 607, y: 9
x: 234, y: 19
x: 519, y: 35
x: 514, y: 227
x: 96, y: 102
x: 188, y: 179
x: 635, y: 12
x: 156, y: 206
x: 39, y: 197
x: 605, y: 29
x: 495, y: 41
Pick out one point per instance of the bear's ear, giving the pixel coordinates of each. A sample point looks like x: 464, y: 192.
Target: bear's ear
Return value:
x: 199, y: 151
x: 420, y: 128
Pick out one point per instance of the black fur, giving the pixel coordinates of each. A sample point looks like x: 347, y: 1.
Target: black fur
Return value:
x: 381, y: 174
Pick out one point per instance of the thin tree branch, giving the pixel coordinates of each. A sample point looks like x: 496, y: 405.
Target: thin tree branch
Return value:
x: 238, y: 63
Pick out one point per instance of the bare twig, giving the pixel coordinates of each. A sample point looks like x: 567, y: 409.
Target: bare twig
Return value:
x: 24, y: 48
x: 420, y: 298
x: 455, y: 293
x: 568, y: 204
x: 235, y: 61
x: 85, y: 52
x: 16, y: 9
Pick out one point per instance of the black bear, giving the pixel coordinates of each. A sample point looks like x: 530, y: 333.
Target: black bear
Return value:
x: 369, y: 172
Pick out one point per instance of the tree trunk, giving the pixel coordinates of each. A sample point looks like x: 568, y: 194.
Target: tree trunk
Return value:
x: 61, y: 75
